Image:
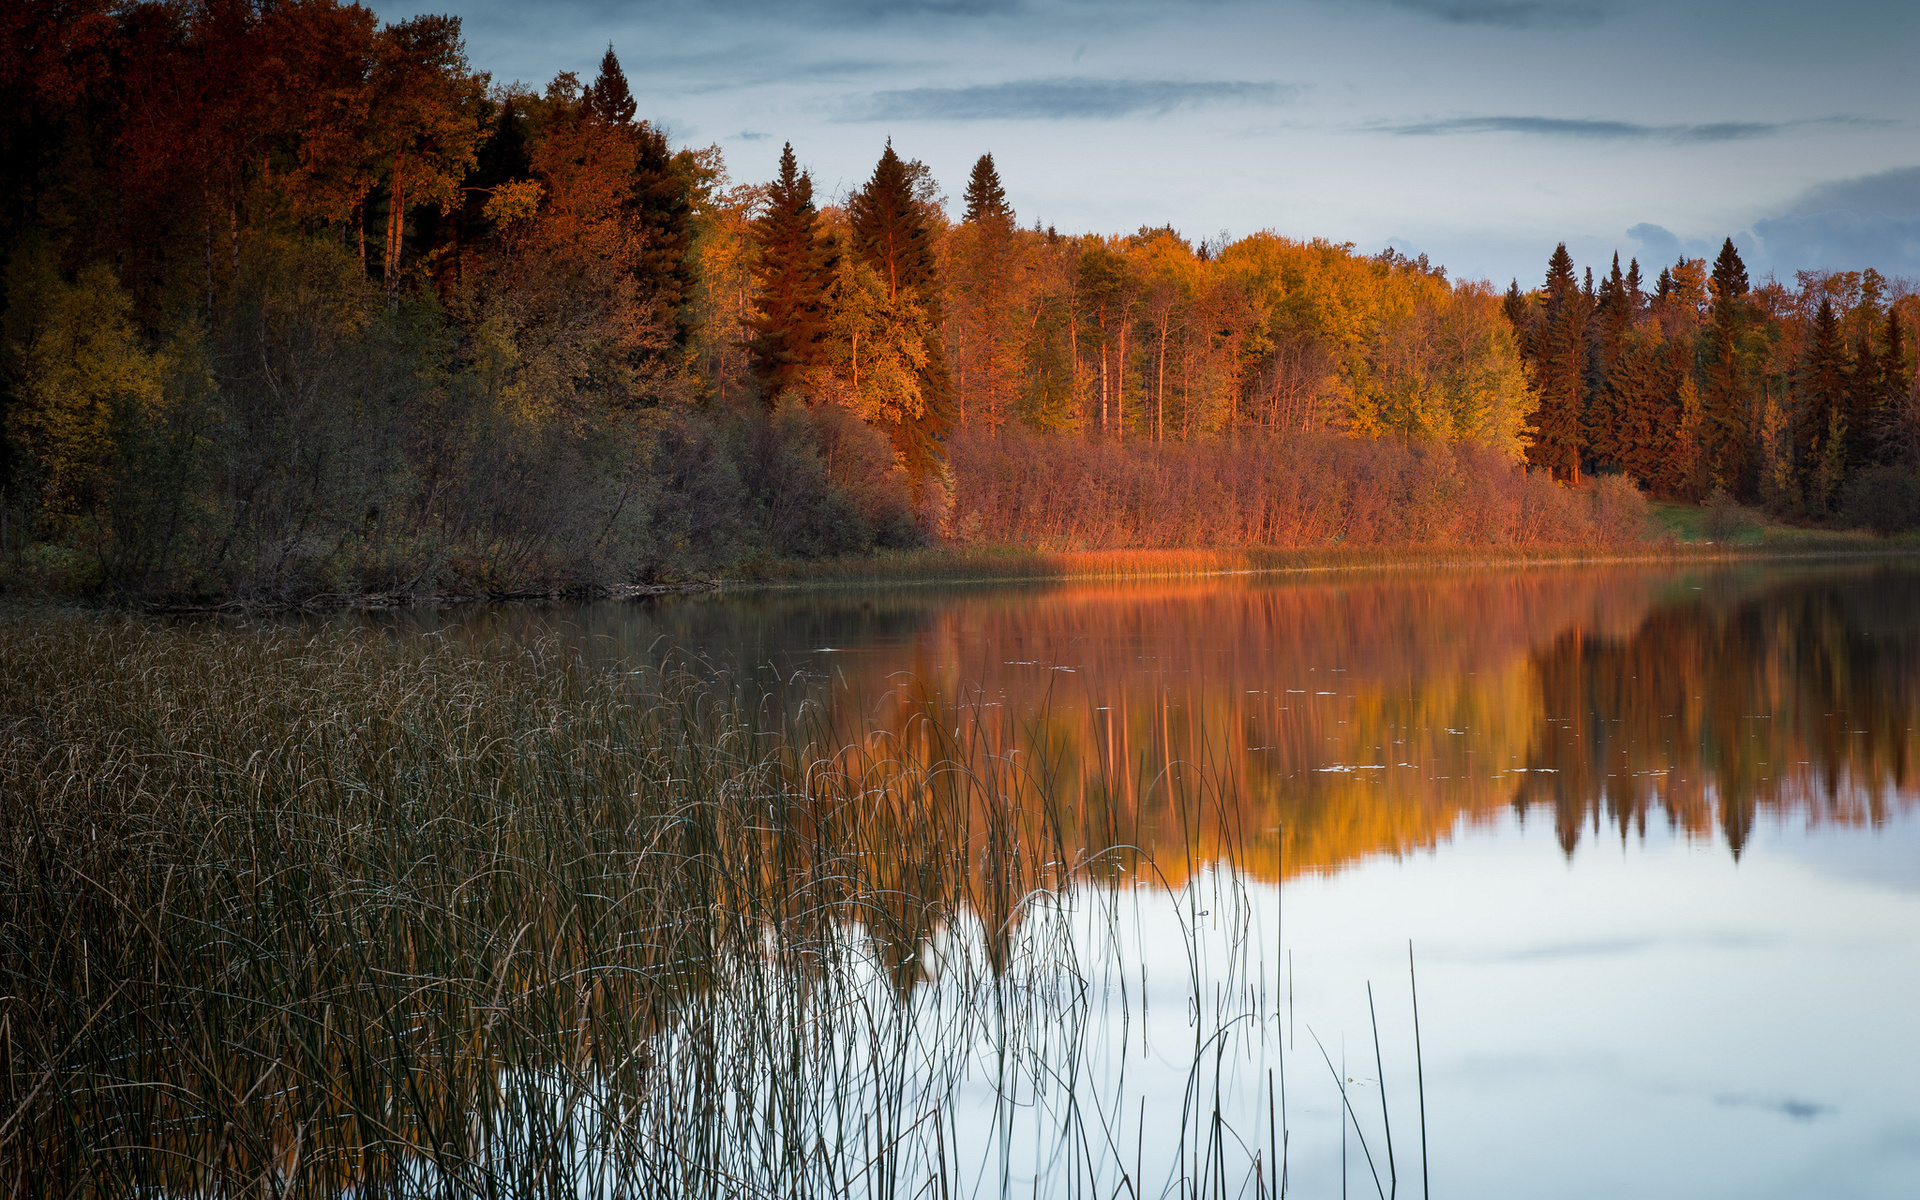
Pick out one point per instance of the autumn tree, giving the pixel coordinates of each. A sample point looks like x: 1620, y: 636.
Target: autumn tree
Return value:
x: 425, y: 120
x: 890, y: 231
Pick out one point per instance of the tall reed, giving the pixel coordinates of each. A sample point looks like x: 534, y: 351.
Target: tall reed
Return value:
x: 315, y: 911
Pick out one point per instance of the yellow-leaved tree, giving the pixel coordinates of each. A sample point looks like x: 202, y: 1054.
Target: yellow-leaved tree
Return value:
x: 876, y: 349
x: 80, y: 366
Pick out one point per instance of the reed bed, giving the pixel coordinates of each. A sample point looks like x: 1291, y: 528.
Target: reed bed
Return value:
x: 315, y: 911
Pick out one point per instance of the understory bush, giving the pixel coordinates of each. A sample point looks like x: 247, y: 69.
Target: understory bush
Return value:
x: 1285, y: 491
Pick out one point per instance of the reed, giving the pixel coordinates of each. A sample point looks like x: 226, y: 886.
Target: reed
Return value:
x: 313, y: 910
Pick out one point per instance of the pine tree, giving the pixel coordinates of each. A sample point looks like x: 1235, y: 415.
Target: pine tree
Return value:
x: 986, y: 199
x: 891, y: 234
x: 794, y: 271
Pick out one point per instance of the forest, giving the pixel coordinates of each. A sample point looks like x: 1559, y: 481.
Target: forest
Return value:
x: 300, y: 304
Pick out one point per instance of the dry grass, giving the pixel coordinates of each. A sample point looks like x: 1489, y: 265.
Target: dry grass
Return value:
x: 302, y: 911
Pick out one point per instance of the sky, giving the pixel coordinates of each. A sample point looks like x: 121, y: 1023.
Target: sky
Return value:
x: 1478, y: 132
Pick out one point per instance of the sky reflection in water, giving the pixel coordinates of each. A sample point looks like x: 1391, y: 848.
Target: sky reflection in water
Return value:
x: 1650, y: 832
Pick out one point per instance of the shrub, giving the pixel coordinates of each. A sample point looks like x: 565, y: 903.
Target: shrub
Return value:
x: 1883, y: 499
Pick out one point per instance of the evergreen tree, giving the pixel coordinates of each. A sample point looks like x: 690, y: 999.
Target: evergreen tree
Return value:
x: 1821, y: 408
x: 1514, y: 305
x: 1726, y: 438
x: 1614, y: 318
x: 1896, y: 384
x: 794, y: 270
x: 661, y: 209
x: 986, y: 199
x: 1634, y: 382
x: 892, y: 234
x: 1894, y: 434
x: 1558, y: 346
x: 1729, y: 273
x: 608, y: 99
x: 983, y: 329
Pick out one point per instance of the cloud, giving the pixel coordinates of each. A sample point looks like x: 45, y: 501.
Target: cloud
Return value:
x: 1843, y: 225
x: 1787, y: 1106
x: 1841, y: 239
x: 752, y: 135
x: 1657, y: 243
x: 1509, y: 14
x: 1060, y: 99
x: 1893, y: 193
x: 1866, y: 221
x: 1599, y: 130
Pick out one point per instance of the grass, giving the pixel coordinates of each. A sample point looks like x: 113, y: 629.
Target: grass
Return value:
x: 309, y: 911
x: 1754, y: 531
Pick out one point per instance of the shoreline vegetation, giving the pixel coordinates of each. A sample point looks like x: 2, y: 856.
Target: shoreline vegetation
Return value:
x: 1680, y: 536
x: 441, y: 335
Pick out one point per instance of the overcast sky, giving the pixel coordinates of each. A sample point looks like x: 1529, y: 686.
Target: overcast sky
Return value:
x: 1479, y: 132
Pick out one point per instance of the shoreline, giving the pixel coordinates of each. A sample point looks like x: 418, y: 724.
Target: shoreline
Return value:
x: 968, y: 568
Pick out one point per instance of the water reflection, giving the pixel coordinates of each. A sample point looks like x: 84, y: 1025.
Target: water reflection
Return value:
x: 1363, y: 716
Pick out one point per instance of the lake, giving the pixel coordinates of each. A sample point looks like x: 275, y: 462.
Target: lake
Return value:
x: 1565, y: 881
x: 1650, y: 834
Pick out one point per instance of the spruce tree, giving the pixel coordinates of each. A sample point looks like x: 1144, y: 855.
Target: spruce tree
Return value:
x: 892, y: 234
x: 1558, y: 347
x: 1605, y: 410
x: 1896, y: 384
x: 986, y: 199
x: 1726, y: 437
x: 661, y: 209
x: 1821, y: 407
x: 983, y: 328
x: 1514, y: 305
x: 608, y: 98
x: 794, y: 270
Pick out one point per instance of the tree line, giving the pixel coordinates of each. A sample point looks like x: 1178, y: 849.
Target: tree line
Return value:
x: 298, y: 302
x: 1702, y: 383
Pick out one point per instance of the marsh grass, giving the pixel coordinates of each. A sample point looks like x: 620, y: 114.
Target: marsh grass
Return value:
x: 315, y: 911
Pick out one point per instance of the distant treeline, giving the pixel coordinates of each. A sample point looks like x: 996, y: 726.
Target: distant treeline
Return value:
x: 297, y: 302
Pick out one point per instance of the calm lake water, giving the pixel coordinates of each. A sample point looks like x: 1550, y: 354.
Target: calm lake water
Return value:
x: 1650, y: 834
